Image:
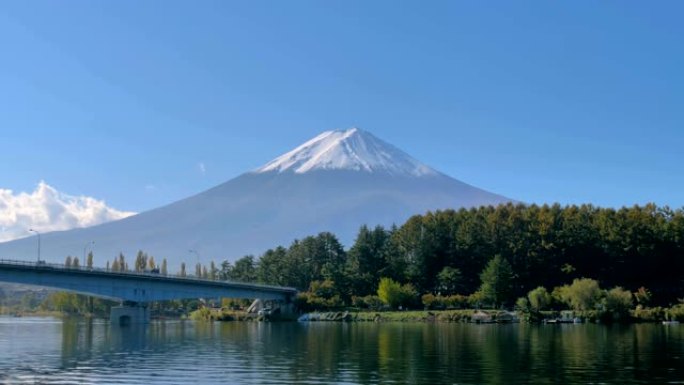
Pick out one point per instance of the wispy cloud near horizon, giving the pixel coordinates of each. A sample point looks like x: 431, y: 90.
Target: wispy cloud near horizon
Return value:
x: 202, y: 168
x: 46, y: 209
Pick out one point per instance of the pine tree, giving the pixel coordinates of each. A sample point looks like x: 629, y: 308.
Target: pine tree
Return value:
x: 140, y: 261
x: 497, y: 281
x: 213, y: 271
x: 122, y: 263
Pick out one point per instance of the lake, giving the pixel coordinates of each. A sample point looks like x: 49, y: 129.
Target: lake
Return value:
x: 53, y: 351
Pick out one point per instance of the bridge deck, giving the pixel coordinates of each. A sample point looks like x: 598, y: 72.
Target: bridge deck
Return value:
x: 131, y: 285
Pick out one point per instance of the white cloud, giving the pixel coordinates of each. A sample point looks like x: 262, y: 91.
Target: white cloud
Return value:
x: 202, y: 168
x: 47, y: 209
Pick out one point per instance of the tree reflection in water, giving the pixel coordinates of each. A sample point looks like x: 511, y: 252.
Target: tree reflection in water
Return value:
x: 366, y: 353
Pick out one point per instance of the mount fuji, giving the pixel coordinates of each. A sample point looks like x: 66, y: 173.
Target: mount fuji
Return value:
x: 335, y: 182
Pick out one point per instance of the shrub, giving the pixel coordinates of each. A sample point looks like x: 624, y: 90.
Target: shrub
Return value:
x: 456, y: 301
x: 582, y: 294
x: 522, y: 304
x: 618, y: 301
x: 675, y: 313
x: 202, y: 314
x: 539, y: 298
x: 428, y: 300
x: 390, y: 292
x: 367, y: 302
x: 475, y: 300
x: 653, y: 314
x: 409, y: 295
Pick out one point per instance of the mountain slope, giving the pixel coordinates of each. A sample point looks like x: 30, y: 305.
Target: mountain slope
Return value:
x: 335, y: 182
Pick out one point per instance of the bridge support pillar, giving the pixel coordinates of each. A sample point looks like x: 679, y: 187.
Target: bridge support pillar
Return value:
x: 127, y: 314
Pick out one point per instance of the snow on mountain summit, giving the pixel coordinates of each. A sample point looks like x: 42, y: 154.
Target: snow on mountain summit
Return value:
x: 351, y: 149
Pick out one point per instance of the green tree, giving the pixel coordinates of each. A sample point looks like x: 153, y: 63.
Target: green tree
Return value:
x: 522, y: 304
x: 213, y: 271
x: 390, y: 292
x: 315, y: 259
x: 151, y: 264
x: 271, y: 268
x: 67, y: 261
x: 366, y: 260
x: 323, y: 289
x: 449, y: 280
x: 123, y: 266
x: 409, y: 295
x: 75, y: 262
x: 497, y: 281
x: 244, y: 270
x: 618, y: 301
x: 64, y: 302
x: 582, y: 294
x: 140, y: 261
x: 539, y: 298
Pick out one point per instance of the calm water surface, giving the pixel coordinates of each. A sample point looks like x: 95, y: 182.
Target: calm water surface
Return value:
x: 52, y: 351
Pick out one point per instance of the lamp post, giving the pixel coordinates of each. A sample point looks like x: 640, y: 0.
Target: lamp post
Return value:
x: 38, y: 234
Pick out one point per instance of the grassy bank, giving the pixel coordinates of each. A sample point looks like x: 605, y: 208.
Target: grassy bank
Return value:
x: 207, y: 314
x: 415, y: 316
x: 31, y: 313
x: 460, y: 315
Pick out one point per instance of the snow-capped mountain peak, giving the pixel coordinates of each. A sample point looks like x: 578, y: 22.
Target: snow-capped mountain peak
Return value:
x: 352, y: 149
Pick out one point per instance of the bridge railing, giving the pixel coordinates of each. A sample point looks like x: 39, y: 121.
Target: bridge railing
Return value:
x: 60, y: 266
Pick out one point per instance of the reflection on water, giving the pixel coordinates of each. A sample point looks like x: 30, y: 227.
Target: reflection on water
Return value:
x: 45, y: 350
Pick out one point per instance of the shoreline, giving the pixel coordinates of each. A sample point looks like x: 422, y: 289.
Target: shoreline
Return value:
x: 648, y: 315
x: 475, y: 316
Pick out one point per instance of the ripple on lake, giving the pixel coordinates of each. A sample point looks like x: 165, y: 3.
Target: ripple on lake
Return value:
x: 54, y: 352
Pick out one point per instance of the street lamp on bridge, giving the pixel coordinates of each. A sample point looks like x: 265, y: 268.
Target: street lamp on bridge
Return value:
x: 38, y: 234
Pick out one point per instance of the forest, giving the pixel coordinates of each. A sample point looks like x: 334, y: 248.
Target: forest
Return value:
x: 514, y: 254
x: 446, y: 252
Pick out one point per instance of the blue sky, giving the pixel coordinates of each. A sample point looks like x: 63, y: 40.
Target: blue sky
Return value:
x: 574, y: 102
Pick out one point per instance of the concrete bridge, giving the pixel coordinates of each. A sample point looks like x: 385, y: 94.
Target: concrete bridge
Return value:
x: 134, y: 289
